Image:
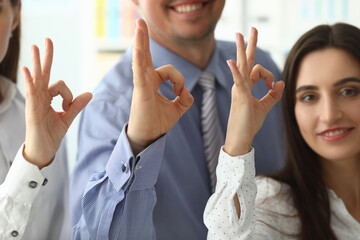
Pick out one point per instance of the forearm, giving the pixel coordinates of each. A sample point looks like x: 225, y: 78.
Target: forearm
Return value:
x: 118, y: 203
x: 17, y: 194
x: 235, y: 182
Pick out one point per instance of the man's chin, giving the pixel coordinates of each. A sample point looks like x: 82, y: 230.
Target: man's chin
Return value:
x: 193, y: 36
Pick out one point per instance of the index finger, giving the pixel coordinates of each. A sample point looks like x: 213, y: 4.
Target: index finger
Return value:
x: 36, y: 65
x: 241, y: 60
x: 169, y: 72
x: 259, y: 72
x: 60, y: 88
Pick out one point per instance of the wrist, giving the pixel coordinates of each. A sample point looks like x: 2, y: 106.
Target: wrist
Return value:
x: 40, y: 164
x: 237, y: 150
x: 137, y: 144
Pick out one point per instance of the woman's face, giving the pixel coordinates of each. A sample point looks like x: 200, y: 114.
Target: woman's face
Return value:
x: 9, y: 19
x: 327, y: 106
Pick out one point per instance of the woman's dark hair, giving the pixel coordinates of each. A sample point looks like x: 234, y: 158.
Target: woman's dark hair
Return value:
x: 9, y: 65
x: 303, y: 170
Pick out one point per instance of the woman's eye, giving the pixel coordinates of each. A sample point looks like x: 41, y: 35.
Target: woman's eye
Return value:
x: 308, y: 98
x: 348, y: 92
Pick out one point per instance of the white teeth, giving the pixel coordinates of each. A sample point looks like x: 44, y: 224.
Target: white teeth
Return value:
x: 334, y: 133
x: 188, y: 8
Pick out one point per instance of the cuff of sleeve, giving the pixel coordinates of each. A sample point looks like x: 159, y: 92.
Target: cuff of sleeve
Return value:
x: 231, y: 168
x: 118, y: 166
x: 24, y: 180
x: 148, y: 165
x: 122, y: 165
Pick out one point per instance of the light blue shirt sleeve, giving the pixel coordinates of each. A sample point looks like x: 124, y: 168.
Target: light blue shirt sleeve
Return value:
x: 105, y: 194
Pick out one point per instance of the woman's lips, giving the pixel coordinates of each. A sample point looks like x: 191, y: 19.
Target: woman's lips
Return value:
x: 335, y: 134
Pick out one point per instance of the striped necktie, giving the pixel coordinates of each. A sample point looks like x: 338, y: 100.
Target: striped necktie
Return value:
x: 212, y: 134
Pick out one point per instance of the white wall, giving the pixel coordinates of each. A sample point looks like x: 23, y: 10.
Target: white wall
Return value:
x: 59, y: 20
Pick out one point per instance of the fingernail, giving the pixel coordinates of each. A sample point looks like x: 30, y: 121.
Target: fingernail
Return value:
x: 272, y: 85
x: 236, y: 37
x: 228, y: 63
x: 251, y: 31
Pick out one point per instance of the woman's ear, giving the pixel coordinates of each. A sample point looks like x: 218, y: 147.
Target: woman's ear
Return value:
x: 17, y: 13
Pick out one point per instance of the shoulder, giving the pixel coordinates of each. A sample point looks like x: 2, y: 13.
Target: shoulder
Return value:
x: 269, y: 187
x: 273, y: 197
x: 10, y: 94
x: 274, y: 207
x: 116, y: 86
x: 273, y: 194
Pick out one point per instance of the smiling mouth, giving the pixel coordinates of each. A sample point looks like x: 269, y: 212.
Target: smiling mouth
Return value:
x: 188, y: 7
x: 334, y: 133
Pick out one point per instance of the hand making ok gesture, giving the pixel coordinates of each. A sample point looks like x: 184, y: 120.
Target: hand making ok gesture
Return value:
x: 247, y: 113
x: 151, y: 114
x: 45, y: 128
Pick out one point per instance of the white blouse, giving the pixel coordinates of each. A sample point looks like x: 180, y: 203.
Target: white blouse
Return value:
x: 33, y: 203
x: 267, y: 211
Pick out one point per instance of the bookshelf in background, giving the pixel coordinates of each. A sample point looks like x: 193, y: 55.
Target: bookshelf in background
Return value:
x: 115, y: 24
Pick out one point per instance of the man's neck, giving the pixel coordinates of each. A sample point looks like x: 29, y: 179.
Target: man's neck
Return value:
x: 197, y: 52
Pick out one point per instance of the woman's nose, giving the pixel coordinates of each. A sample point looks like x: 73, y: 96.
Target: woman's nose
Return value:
x: 330, y: 111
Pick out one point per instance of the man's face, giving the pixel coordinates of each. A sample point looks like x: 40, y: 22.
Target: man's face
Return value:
x: 180, y: 20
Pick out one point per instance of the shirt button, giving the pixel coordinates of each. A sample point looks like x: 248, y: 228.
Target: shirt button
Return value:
x: 124, y: 167
x: 137, y: 168
x: 33, y: 184
x: 14, y: 233
x: 45, y: 182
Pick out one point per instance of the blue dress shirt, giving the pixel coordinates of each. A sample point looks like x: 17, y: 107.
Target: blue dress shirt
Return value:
x: 162, y: 192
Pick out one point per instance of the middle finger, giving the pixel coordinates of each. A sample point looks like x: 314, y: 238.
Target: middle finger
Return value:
x: 241, y: 56
x: 251, y: 48
x: 36, y: 65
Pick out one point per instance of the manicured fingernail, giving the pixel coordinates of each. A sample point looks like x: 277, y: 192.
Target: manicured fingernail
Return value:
x: 228, y: 63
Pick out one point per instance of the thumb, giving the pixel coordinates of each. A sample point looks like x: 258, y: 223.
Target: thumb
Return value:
x: 184, y: 101
x: 76, y: 106
x: 273, y: 96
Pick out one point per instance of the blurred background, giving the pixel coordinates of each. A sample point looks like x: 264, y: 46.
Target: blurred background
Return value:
x: 90, y: 35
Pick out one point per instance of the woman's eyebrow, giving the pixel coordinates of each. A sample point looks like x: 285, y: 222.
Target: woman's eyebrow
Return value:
x: 346, y: 80
x: 306, y: 87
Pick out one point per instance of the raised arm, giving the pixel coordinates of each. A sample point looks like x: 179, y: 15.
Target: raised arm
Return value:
x: 45, y: 130
x: 235, y: 171
x: 129, y: 212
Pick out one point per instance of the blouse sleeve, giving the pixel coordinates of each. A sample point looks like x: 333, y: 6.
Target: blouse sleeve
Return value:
x: 235, y: 175
x: 17, y: 193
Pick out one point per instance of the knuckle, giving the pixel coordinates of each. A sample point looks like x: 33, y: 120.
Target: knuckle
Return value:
x: 170, y: 67
x: 258, y: 66
x: 60, y: 82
